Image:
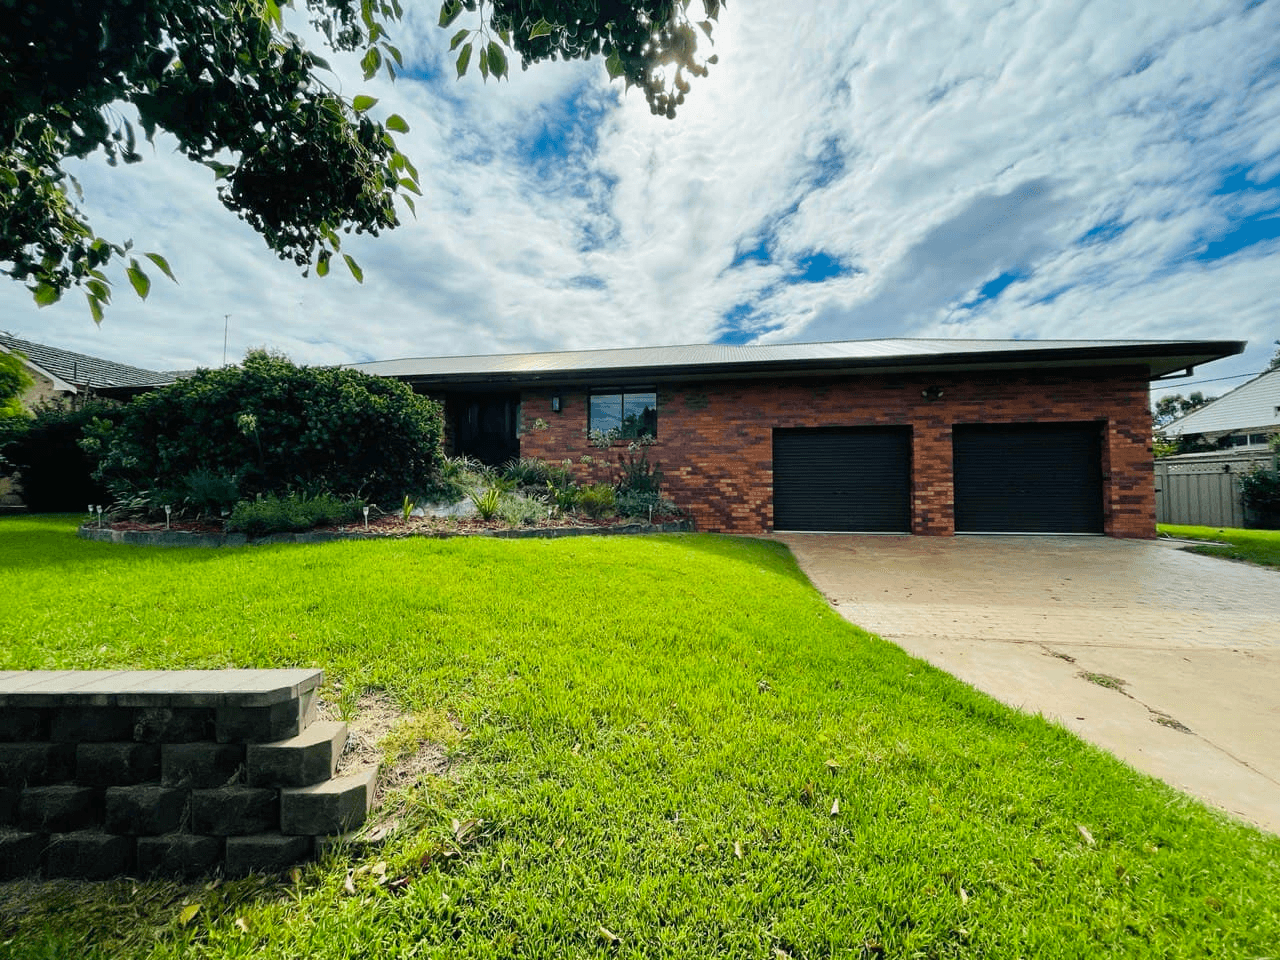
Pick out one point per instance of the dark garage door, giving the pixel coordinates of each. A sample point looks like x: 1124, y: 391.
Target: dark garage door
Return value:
x: 855, y: 479
x: 1028, y: 478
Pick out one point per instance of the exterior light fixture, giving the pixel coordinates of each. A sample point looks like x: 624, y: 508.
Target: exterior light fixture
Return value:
x: 555, y: 403
x: 168, y: 509
x: 931, y: 393
x: 365, y: 510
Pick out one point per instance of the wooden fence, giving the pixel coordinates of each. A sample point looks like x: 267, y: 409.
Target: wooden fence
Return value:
x: 1204, y: 488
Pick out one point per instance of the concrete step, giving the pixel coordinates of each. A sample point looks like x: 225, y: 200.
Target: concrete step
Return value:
x: 310, y: 757
x: 335, y: 806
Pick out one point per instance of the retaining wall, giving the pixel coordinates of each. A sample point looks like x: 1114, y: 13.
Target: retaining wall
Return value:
x: 172, y: 773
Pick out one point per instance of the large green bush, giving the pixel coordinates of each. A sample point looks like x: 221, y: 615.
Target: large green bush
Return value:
x: 267, y: 427
x: 44, y: 452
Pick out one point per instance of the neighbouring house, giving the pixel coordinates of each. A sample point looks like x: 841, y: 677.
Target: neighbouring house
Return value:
x: 1248, y: 416
x: 1204, y: 487
x: 931, y: 437
x: 68, y: 378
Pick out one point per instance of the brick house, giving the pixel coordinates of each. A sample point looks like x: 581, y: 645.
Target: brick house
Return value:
x: 931, y: 437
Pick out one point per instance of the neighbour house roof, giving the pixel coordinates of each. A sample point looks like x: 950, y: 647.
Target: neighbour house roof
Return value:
x: 1251, y: 406
x: 72, y: 372
x: 723, y: 361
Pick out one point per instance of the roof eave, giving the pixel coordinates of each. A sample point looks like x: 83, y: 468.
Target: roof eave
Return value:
x: 1158, y: 362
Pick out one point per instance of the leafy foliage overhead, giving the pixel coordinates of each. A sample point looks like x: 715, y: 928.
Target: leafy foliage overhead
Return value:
x: 295, y: 159
x: 650, y: 43
x: 239, y: 92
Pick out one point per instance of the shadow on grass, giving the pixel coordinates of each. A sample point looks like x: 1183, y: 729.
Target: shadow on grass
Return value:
x: 114, y: 917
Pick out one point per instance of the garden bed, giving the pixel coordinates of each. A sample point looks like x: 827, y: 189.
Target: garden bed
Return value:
x: 211, y: 534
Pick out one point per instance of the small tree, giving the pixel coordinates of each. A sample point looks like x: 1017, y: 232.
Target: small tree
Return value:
x: 267, y: 427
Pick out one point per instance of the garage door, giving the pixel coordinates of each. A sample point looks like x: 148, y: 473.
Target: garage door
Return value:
x: 846, y: 479
x: 1028, y: 478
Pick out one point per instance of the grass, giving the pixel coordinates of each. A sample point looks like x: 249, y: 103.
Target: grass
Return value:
x: 673, y: 748
x: 1252, y: 546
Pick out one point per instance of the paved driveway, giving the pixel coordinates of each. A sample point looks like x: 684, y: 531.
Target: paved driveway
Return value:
x: 1193, y: 643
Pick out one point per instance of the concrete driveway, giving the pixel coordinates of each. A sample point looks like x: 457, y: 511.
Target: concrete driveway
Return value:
x: 1169, y: 660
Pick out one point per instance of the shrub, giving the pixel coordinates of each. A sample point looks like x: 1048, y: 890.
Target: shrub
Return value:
x: 517, y: 510
x: 56, y: 473
x: 275, y: 426
x: 637, y: 475
x: 644, y: 506
x: 209, y: 491
x: 290, y: 512
x: 1260, y: 492
x: 563, y: 495
x: 487, y: 503
x: 597, y: 500
x: 456, y: 479
x: 527, y: 472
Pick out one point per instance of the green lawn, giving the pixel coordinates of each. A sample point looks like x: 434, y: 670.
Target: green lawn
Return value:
x: 1254, y: 546
x: 658, y: 730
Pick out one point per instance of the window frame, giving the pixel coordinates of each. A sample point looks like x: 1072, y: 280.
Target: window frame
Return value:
x: 615, y: 434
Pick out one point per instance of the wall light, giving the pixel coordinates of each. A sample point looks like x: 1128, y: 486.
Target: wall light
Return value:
x: 931, y: 393
x: 555, y: 403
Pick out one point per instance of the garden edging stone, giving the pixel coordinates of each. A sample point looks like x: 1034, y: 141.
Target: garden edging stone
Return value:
x: 182, y: 538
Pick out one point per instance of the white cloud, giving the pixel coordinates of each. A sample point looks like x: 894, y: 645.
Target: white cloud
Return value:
x: 930, y: 146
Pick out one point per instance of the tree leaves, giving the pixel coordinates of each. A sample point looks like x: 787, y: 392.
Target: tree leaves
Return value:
x: 140, y: 281
x: 449, y: 11
x: 497, y: 60
x: 46, y: 294
x: 354, y: 268
x: 240, y: 94
x: 162, y: 263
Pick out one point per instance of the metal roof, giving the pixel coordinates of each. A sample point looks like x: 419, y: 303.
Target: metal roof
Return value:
x: 1161, y: 357
x: 1251, y: 406
x: 79, y: 370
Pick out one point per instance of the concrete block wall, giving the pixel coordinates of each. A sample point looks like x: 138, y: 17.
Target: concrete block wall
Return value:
x: 142, y: 773
x: 715, y: 440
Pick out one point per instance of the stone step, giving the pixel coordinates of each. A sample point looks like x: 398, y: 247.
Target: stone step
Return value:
x: 335, y: 806
x: 310, y: 757
x: 266, y: 724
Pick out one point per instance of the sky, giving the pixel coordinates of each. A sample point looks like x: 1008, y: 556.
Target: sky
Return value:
x: 1051, y: 169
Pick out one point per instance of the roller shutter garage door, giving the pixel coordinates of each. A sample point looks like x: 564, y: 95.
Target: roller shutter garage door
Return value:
x: 1028, y: 478
x: 854, y: 479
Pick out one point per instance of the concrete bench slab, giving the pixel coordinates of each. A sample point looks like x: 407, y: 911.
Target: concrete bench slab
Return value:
x: 154, y: 688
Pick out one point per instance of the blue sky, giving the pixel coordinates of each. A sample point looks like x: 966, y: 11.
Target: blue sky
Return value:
x: 1047, y: 169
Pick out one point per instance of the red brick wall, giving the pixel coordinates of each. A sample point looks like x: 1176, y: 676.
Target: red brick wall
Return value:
x: 715, y: 440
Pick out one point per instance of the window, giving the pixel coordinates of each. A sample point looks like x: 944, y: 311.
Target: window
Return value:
x: 623, y: 416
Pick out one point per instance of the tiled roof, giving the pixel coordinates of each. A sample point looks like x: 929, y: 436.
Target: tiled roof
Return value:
x: 82, y: 370
x: 1251, y: 406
